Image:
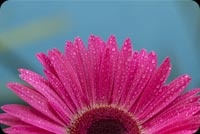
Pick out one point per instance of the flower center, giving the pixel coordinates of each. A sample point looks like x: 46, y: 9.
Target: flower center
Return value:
x: 107, y: 126
x: 104, y: 120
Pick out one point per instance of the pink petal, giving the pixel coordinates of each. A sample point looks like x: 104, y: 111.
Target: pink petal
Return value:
x: 77, y: 56
x: 185, y: 125
x: 174, y: 113
x: 145, y: 67
x: 9, y: 120
x: 191, y: 100
x: 107, y: 68
x: 114, y: 54
x: 35, y: 99
x: 68, y: 77
x: 124, y: 77
x: 42, y: 86
x: 96, y: 47
x: 60, y: 89
x: 123, y: 72
x: 45, y: 61
x: 32, y: 117
x: 165, y: 97
x: 189, y: 94
x: 150, y: 93
x: 26, y: 129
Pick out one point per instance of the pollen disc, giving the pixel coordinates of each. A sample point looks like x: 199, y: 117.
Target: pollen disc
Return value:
x: 104, y: 120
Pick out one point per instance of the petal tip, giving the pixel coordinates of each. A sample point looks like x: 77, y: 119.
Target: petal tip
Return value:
x: 128, y: 40
x: 112, y: 37
x: 4, y: 108
x: 22, y: 70
x: 10, y: 84
x: 187, y: 77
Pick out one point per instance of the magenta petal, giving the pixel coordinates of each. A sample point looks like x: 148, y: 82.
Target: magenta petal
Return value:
x: 186, y: 96
x: 80, y: 64
x: 165, y: 97
x: 60, y: 90
x: 107, y: 69
x: 175, y: 113
x: 113, y: 54
x: 9, y: 120
x: 42, y: 86
x: 26, y: 129
x: 32, y: 117
x: 150, y: 93
x: 77, y: 56
x: 35, y: 99
x: 125, y: 73
x: 122, y: 72
x: 96, y: 47
x: 188, y: 125
x: 46, y: 62
x: 68, y: 77
x: 127, y: 63
x: 145, y: 68
x: 104, y: 79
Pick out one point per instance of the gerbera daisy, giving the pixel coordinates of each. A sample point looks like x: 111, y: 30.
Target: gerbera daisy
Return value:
x: 102, y: 90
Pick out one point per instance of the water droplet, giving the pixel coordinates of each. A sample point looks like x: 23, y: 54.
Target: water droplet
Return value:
x: 74, y: 53
x: 113, y: 49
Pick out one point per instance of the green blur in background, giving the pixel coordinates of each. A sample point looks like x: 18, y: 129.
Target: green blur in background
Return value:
x: 170, y: 28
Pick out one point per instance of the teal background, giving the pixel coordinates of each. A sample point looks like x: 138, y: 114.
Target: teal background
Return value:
x: 170, y: 28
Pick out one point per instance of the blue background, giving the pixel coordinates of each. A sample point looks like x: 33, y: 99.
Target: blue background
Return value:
x: 170, y: 28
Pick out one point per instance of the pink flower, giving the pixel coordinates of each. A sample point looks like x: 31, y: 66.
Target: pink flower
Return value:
x: 102, y: 90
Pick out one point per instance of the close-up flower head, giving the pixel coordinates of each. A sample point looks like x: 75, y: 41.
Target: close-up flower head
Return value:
x: 102, y: 89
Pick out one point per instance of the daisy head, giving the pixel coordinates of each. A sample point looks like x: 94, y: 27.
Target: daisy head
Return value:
x: 101, y: 89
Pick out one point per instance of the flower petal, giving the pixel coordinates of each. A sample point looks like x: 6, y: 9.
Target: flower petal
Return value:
x: 145, y: 68
x: 184, y: 125
x: 35, y: 99
x: 123, y: 73
x: 174, y: 113
x: 60, y: 89
x: 32, y: 117
x: 107, y: 69
x: 68, y: 77
x: 96, y: 47
x: 46, y: 62
x: 26, y: 129
x: 187, y: 95
x: 42, y: 86
x: 164, y: 97
x: 149, y: 94
x: 77, y: 56
x: 9, y: 120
